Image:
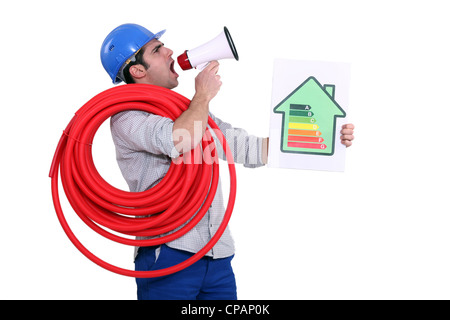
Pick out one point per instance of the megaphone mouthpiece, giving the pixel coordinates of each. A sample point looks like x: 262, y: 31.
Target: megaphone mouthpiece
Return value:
x: 221, y: 47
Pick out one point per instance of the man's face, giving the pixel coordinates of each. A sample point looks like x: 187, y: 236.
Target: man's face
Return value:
x: 161, y: 70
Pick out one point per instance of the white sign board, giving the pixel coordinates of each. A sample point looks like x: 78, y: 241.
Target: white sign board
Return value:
x: 309, y: 106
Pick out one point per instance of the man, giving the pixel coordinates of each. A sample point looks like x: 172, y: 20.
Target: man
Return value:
x: 147, y: 143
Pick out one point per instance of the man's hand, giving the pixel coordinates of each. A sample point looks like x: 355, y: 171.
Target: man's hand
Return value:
x: 347, y: 134
x: 207, y: 82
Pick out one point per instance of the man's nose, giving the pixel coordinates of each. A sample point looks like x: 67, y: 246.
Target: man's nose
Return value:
x: 169, y: 52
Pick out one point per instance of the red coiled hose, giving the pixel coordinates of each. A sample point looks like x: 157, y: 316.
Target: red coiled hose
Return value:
x: 180, y: 199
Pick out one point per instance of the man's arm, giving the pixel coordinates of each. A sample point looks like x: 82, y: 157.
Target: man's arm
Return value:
x: 189, y: 127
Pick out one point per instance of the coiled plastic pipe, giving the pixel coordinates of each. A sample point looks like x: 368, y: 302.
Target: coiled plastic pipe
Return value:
x: 178, y: 201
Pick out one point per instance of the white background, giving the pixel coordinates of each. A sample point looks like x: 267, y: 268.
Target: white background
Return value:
x: 384, y: 235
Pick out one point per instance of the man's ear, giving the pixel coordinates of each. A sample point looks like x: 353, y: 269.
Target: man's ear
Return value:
x: 137, y: 71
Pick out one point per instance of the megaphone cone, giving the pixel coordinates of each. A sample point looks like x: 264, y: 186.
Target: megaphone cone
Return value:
x: 221, y: 47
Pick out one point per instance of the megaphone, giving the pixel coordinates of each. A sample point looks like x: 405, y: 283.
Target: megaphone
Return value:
x: 221, y: 47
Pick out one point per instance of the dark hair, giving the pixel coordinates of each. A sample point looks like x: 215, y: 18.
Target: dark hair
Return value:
x: 139, y: 60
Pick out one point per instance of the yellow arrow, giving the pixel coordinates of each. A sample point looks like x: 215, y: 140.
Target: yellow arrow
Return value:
x: 304, y: 126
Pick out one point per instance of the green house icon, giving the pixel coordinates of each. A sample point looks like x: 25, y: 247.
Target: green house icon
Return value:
x: 309, y: 119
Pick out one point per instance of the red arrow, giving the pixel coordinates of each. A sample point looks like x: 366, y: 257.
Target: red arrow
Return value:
x: 306, y: 145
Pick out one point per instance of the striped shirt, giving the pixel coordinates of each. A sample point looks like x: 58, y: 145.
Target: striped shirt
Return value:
x: 144, y: 151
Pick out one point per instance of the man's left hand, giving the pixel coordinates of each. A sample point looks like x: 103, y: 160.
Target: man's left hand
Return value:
x: 347, y: 134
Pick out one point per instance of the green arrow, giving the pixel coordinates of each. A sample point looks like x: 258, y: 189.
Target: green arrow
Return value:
x: 301, y: 120
x: 301, y: 113
x: 300, y: 107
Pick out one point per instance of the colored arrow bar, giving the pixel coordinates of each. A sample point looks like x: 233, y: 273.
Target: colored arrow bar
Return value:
x: 302, y: 120
x: 305, y: 139
x: 306, y: 145
x: 304, y: 132
x: 301, y: 113
x: 299, y: 107
x: 303, y: 126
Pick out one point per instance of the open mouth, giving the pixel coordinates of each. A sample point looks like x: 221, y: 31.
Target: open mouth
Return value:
x: 172, y: 68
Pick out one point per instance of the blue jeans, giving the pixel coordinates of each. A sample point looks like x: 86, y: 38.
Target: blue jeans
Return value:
x: 206, y: 279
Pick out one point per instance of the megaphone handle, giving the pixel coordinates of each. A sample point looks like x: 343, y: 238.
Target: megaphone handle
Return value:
x: 202, y: 66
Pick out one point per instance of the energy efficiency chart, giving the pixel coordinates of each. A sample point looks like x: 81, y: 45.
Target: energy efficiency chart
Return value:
x: 310, y: 101
x: 309, y: 118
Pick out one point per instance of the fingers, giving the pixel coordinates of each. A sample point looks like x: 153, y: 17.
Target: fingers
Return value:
x: 218, y: 80
x: 213, y: 66
x: 347, y: 134
x: 347, y: 129
x: 347, y: 140
x: 207, y: 82
x: 346, y: 143
x: 348, y: 126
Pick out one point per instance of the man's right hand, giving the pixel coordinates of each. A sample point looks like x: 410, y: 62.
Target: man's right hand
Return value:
x: 207, y: 82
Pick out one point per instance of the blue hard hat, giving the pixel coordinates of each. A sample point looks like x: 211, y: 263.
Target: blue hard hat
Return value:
x: 122, y: 44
